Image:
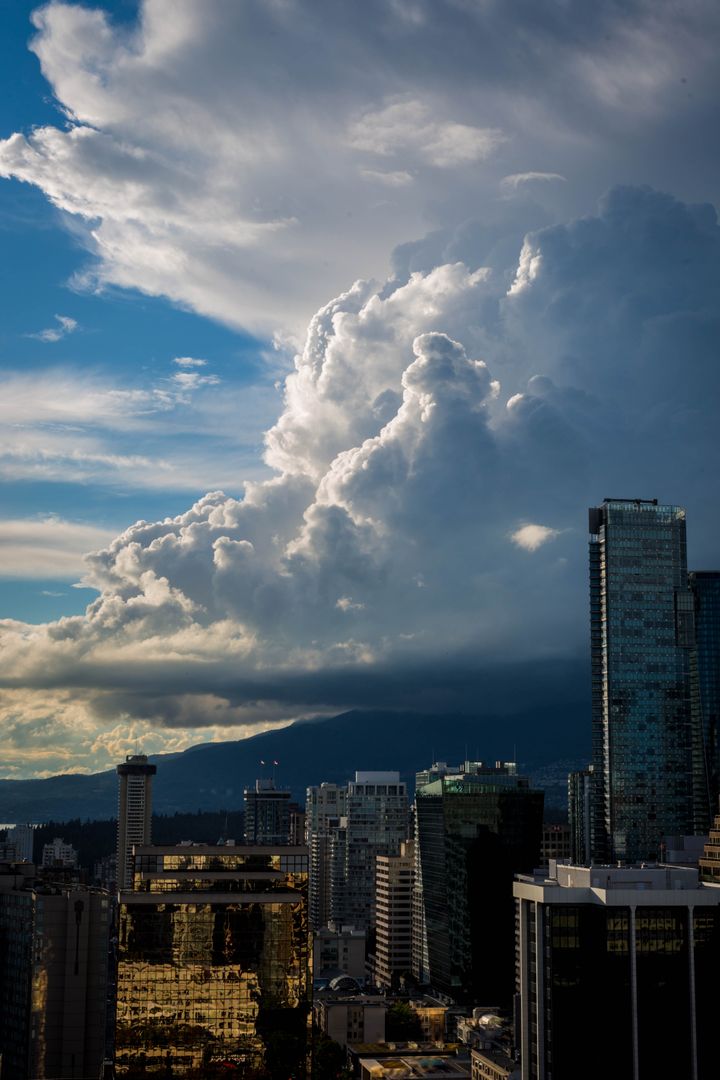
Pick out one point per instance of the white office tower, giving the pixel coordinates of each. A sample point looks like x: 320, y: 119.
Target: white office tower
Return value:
x: 375, y: 823
x: 134, y: 812
x: 324, y: 807
x: 394, y: 876
x: 58, y: 853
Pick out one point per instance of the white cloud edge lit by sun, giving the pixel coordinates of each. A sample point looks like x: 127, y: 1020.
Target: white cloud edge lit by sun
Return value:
x: 530, y: 537
x: 66, y: 325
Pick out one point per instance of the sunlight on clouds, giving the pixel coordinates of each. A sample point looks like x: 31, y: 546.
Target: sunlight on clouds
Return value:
x: 531, y: 537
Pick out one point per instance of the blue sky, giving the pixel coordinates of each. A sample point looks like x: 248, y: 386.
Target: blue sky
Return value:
x: 412, y: 283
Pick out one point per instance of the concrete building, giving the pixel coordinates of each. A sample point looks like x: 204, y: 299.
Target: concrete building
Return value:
x: 705, y: 588
x: 135, y: 777
x: 494, y: 1065
x: 58, y: 853
x: 324, y: 806
x: 709, y: 862
x: 429, y: 1065
x: 375, y: 823
x: 394, y: 883
x: 473, y: 831
x: 338, y: 952
x: 54, y: 944
x: 21, y: 839
x: 349, y: 1019
x: 214, y: 963
x: 617, y: 973
x: 267, y: 813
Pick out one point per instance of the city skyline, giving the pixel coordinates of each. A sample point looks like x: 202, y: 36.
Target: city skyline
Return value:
x: 499, y: 227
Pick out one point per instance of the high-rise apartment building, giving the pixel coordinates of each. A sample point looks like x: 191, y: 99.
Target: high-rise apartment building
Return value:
x: 705, y: 586
x: 394, y: 879
x: 214, y: 963
x: 134, y: 812
x: 324, y: 806
x: 474, y: 830
x: 645, y: 725
x: 375, y: 823
x: 59, y: 854
x: 267, y: 813
x: 20, y: 842
x: 617, y: 973
x: 54, y: 944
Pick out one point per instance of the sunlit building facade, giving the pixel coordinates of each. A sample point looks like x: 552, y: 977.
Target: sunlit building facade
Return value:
x: 645, y: 742
x: 214, y: 963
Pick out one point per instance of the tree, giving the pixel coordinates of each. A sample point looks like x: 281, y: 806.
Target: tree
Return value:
x: 402, y: 1023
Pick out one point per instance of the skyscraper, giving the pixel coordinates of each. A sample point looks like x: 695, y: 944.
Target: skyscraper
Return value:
x: 473, y: 831
x: 645, y: 728
x: 214, y: 963
x: 134, y: 812
x: 393, y: 916
x: 325, y: 805
x: 267, y: 813
x: 375, y: 823
x: 705, y: 586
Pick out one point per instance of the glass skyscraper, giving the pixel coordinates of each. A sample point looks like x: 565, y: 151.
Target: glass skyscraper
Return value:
x: 647, y: 742
x: 705, y: 587
x: 214, y: 964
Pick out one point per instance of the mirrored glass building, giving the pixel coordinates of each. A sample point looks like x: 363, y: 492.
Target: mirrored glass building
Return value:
x: 647, y: 741
x: 214, y: 964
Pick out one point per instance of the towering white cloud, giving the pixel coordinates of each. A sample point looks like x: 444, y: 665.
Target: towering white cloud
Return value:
x: 426, y: 422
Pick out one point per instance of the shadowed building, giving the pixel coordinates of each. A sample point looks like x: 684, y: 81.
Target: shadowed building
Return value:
x: 267, y: 813
x: 473, y: 831
x: 617, y: 973
x: 214, y: 963
x: 705, y: 587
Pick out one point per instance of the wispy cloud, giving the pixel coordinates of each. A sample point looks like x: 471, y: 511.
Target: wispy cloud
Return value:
x: 189, y: 362
x: 519, y: 180
x: 65, y: 326
x: 49, y: 547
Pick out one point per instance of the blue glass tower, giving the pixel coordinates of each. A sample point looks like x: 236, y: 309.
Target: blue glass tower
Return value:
x: 705, y: 585
x: 642, y: 643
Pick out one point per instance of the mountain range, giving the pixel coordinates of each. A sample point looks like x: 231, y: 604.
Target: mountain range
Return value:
x: 546, y: 742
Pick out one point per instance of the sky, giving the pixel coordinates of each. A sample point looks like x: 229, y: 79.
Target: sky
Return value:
x: 322, y: 326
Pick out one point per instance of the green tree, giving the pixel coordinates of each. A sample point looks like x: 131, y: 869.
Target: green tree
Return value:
x: 402, y: 1023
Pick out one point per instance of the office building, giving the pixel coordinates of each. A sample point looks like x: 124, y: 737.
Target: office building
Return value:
x: 617, y: 973
x: 473, y: 831
x: 394, y: 881
x: 555, y: 843
x: 58, y: 853
x: 267, y: 814
x: 135, y: 776
x: 580, y: 814
x: 20, y: 842
x: 54, y: 945
x: 705, y: 586
x: 214, y: 963
x: 324, y: 806
x: 645, y: 727
x: 375, y: 823
x: 709, y: 862
x: 494, y: 1064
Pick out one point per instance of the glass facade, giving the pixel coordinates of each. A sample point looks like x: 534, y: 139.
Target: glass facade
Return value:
x: 473, y: 833
x: 642, y: 639
x: 214, y: 972
x: 705, y: 587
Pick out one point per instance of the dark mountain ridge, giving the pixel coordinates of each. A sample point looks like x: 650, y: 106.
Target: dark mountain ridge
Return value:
x: 212, y: 776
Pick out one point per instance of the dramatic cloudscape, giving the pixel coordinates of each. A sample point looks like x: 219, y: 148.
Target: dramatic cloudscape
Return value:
x: 326, y: 323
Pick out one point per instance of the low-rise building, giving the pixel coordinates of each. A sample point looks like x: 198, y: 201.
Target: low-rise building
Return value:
x: 337, y: 952
x: 427, y: 1066
x: 350, y: 1018
x: 493, y: 1065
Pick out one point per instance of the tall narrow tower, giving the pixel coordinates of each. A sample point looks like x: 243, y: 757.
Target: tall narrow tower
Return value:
x: 134, y: 812
x: 642, y: 641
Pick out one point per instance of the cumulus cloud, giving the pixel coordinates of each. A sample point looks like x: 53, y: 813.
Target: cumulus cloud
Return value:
x: 531, y: 537
x: 250, y: 191
x: 65, y: 326
x: 424, y: 419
